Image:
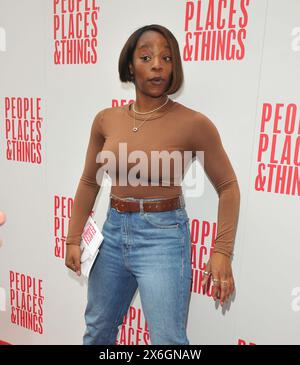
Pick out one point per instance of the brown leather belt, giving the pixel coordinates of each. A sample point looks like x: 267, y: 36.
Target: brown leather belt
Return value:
x: 148, y: 206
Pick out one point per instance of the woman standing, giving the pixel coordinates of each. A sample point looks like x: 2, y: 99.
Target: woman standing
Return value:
x: 146, y: 232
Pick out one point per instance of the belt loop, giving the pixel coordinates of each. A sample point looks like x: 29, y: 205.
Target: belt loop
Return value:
x: 142, y: 205
x: 182, y: 202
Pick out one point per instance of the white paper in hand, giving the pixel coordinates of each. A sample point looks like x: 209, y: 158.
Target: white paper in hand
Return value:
x: 91, y: 239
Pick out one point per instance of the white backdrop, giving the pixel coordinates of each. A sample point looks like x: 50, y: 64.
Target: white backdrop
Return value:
x: 253, y: 99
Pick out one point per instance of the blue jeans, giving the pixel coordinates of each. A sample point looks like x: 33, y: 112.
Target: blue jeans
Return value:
x: 150, y: 251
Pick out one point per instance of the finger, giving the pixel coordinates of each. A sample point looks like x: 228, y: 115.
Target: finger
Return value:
x: 224, y: 285
x: 232, y: 286
x: 216, y: 286
x: 77, y: 266
x: 205, y: 278
x: 206, y: 274
x: 216, y: 291
x: 69, y: 264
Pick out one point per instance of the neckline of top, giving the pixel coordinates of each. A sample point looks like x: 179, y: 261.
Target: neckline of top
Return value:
x: 160, y: 113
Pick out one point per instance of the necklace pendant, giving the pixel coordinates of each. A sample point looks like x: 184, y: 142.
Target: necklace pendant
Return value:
x: 134, y: 129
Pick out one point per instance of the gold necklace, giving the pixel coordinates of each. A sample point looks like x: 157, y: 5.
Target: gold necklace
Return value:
x: 135, y: 129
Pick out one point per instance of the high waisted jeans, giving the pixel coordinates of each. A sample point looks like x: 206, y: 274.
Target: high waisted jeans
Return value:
x: 150, y: 251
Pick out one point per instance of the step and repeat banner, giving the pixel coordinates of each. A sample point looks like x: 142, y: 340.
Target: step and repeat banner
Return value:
x: 59, y: 67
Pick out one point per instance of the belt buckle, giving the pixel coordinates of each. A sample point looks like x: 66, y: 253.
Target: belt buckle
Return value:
x: 118, y: 209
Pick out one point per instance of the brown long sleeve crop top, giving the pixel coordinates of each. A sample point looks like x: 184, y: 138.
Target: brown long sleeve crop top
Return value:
x: 174, y: 127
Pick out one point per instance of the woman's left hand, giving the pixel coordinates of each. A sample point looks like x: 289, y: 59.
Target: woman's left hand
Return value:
x: 219, y: 266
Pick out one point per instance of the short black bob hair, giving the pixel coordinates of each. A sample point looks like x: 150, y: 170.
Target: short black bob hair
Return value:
x: 126, y: 57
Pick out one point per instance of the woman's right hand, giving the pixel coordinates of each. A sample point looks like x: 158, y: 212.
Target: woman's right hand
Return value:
x: 73, y: 256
